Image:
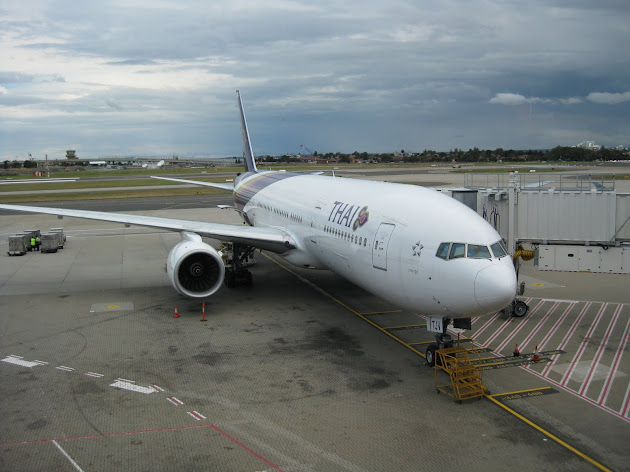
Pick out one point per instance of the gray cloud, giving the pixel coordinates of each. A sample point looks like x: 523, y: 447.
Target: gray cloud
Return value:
x: 369, y: 76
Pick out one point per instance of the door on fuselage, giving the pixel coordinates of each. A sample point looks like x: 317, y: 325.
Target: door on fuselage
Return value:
x: 381, y: 243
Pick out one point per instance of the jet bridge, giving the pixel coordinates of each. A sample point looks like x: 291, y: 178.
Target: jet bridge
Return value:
x: 577, y: 222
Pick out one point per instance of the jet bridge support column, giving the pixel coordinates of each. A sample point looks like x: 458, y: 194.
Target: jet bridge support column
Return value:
x: 512, y: 196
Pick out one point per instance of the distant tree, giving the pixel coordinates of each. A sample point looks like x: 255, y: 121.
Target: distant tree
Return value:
x: 16, y: 165
x: 30, y: 164
x: 5, y: 165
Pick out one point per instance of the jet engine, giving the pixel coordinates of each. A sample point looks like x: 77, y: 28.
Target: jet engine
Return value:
x: 195, y: 268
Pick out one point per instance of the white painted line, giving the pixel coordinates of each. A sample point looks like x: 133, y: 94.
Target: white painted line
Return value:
x: 125, y: 380
x: 555, y: 327
x: 67, y: 456
x: 567, y: 337
x: 157, y: 389
x: 538, y: 326
x: 132, y: 387
x: 175, y: 401
x: 603, y: 396
x: 600, y: 351
x: 17, y: 357
x: 195, y: 414
x: 93, y: 374
x: 63, y: 367
x: 41, y: 362
x: 19, y: 361
x: 578, y: 355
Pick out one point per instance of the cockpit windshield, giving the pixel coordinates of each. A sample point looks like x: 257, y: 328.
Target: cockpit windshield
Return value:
x: 449, y: 251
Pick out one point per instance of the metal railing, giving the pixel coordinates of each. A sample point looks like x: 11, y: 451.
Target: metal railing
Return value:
x: 534, y: 181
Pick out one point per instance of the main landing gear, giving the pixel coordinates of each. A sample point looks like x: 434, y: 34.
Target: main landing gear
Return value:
x: 237, y: 259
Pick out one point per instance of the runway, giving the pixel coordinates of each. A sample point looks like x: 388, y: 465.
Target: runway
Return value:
x: 97, y: 374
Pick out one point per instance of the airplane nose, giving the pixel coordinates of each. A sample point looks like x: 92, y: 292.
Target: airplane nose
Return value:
x: 495, y: 286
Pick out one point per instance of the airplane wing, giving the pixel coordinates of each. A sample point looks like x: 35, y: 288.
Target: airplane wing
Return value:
x: 229, y: 187
x: 271, y: 239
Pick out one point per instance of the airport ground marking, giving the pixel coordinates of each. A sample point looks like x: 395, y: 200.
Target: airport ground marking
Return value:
x: 339, y: 302
x: 567, y: 337
x: 175, y: 401
x: 582, y: 348
x: 386, y: 312
x: 94, y: 374
x: 132, y: 387
x: 196, y: 415
x: 18, y: 360
x: 600, y: 351
x: 529, y: 337
x: 623, y: 411
x: 106, y: 435
x: 240, y: 444
x: 603, y: 396
x: 551, y: 436
x: 67, y: 456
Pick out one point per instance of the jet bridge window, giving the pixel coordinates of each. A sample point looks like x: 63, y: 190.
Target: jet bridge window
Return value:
x: 478, y: 252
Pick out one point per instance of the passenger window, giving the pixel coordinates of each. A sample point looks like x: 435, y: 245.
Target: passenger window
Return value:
x: 499, y: 249
x: 457, y: 250
x: 478, y: 252
x: 442, y: 251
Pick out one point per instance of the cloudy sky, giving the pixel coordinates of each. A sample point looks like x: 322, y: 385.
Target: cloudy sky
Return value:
x: 157, y: 77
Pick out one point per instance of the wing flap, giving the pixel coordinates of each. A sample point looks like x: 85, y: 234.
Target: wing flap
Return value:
x: 270, y: 239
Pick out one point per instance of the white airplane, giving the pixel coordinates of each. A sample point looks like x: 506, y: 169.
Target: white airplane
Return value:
x: 415, y: 247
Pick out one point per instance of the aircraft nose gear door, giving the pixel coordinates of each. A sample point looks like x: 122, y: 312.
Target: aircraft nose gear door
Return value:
x: 379, y: 252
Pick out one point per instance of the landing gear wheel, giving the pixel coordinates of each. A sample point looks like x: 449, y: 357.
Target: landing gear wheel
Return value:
x: 520, y: 309
x: 431, y: 355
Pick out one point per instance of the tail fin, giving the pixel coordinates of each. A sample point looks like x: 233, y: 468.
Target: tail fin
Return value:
x: 248, y: 155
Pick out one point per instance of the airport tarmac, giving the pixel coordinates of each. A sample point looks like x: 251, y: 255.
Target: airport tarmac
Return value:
x: 97, y: 374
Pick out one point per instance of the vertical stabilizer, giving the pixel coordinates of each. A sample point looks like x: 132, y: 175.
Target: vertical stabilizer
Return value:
x: 248, y: 155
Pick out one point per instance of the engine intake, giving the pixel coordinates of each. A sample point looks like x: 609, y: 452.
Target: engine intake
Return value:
x: 195, y: 268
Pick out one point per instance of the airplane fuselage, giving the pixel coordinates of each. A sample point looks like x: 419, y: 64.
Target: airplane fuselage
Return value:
x: 384, y: 238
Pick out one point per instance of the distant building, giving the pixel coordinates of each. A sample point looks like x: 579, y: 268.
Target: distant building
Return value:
x: 589, y: 145
x: 70, y: 154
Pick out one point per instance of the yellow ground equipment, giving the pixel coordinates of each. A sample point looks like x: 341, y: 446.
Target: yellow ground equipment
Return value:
x: 465, y: 378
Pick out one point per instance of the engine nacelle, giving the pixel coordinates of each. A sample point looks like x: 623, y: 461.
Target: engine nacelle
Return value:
x: 195, y: 268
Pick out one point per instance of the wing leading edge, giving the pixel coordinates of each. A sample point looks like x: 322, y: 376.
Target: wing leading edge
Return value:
x: 229, y: 187
x: 270, y: 239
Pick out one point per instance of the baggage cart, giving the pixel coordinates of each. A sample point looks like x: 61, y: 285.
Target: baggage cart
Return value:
x: 17, y: 245
x: 50, y: 242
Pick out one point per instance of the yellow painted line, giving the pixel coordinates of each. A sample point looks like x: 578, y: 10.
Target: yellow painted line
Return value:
x: 110, y: 307
x: 548, y: 434
x: 406, y: 326
x: 382, y: 312
x: 520, y: 391
x: 408, y: 346
x: 339, y: 302
x: 538, y: 285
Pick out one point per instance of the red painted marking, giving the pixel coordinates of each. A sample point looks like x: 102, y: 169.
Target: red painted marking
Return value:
x: 155, y: 387
x: 93, y: 374
x: 522, y: 325
x: 567, y: 337
x: 600, y: 351
x: 36, y: 441
x: 216, y: 428
x: 195, y: 414
x: 175, y: 401
x: 578, y: 355
x: 603, y: 396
